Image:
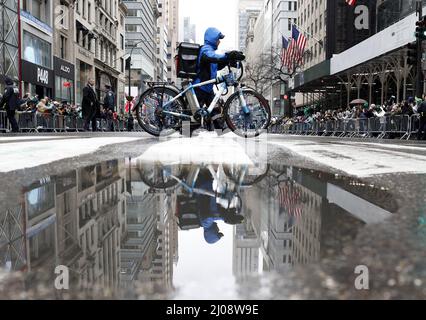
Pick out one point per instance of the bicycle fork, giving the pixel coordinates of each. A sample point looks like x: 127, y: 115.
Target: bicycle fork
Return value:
x: 243, y: 102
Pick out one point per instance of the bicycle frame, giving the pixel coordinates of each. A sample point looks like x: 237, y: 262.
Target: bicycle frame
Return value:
x: 223, y: 87
x: 189, y: 186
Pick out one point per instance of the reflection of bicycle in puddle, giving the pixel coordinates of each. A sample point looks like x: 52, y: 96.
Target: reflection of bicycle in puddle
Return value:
x: 206, y: 194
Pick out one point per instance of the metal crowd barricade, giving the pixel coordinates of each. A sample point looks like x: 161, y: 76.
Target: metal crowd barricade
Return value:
x: 339, y: 128
x: 59, y: 123
x: 376, y: 127
x: 414, y: 125
x: 80, y: 124
x: 44, y: 122
x: 70, y: 123
x: 400, y: 126
x: 27, y: 121
x: 329, y: 127
x: 4, y: 124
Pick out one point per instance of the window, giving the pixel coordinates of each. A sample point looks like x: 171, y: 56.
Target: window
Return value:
x: 63, y: 47
x: 37, y: 50
x: 132, y: 13
x: 67, y: 203
x: 89, y: 12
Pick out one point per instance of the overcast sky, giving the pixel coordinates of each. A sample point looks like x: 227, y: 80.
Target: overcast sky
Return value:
x: 203, y: 269
x: 221, y: 14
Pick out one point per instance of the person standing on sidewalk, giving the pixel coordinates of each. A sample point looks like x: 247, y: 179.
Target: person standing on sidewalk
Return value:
x: 422, y: 128
x: 109, y: 106
x: 12, y: 101
x: 90, y: 105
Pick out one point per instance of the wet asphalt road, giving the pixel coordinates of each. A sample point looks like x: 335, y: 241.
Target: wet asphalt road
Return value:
x: 310, y: 221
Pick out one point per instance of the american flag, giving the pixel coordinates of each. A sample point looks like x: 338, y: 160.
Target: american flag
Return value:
x: 289, y: 198
x: 351, y: 2
x: 290, y: 53
x: 301, y: 41
x: 284, y: 51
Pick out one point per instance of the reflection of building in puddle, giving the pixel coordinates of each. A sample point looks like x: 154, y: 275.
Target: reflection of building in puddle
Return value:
x: 300, y: 216
x: 149, y: 248
x: 246, y: 251
x: 74, y: 219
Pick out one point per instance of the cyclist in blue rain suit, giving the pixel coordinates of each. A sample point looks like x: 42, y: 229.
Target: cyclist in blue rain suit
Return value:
x: 210, y: 212
x: 209, y: 62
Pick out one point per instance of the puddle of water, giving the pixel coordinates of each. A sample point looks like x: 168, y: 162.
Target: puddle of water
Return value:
x: 138, y: 229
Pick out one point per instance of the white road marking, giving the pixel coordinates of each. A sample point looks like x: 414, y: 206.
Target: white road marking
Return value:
x: 358, y: 160
x: 14, y: 156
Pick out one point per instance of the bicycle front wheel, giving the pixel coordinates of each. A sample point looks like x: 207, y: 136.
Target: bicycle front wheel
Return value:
x: 152, y: 107
x: 250, y: 122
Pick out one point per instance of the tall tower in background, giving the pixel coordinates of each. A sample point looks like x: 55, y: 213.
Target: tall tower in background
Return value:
x: 189, y: 31
x: 173, y: 39
x: 247, y: 11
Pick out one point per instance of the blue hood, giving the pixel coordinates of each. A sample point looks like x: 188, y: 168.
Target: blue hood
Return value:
x: 212, y: 234
x: 211, y: 37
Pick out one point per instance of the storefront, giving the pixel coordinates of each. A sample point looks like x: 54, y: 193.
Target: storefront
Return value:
x: 37, y: 72
x: 105, y: 79
x: 64, y: 80
x: 84, y: 72
x: 37, y: 80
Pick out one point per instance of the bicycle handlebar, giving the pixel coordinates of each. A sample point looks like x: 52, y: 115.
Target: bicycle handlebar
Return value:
x: 224, y: 78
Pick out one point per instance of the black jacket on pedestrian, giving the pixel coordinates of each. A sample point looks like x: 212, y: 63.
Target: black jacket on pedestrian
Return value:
x: 10, y: 98
x: 422, y: 110
x: 109, y: 100
x: 90, y: 103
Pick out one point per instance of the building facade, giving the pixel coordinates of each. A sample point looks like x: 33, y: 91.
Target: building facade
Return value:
x: 141, y: 42
x: 36, y: 37
x: 9, y: 42
x: 265, y: 33
x: 63, y: 51
x: 109, y: 47
x: 331, y: 28
x: 189, y: 31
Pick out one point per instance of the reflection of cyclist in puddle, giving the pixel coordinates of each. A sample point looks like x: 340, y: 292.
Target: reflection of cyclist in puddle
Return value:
x: 223, y: 207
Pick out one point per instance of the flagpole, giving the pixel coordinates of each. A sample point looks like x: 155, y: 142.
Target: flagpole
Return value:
x: 320, y: 42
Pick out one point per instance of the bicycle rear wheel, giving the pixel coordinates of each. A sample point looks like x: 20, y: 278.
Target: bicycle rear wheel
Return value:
x: 246, y: 176
x: 158, y: 176
x: 150, y: 107
x: 250, y: 124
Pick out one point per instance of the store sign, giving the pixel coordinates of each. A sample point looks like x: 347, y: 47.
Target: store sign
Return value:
x: 42, y: 76
x: 36, y: 74
x: 30, y: 19
x: 63, y: 68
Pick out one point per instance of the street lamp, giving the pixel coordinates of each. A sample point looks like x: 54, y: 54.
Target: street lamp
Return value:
x: 129, y: 59
x: 129, y: 97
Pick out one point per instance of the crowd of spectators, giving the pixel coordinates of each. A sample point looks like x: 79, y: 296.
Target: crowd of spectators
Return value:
x: 313, y: 114
x: 48, y: 107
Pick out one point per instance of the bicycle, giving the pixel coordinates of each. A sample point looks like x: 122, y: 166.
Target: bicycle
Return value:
x: 163, y: 108
x: 220, y: 182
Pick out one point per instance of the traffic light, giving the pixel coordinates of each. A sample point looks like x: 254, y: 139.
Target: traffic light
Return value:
x: 421, y: 29
x: 128, y: 63
x: 412, y: 54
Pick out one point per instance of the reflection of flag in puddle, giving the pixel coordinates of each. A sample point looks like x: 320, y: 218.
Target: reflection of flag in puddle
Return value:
x: 290, y: 199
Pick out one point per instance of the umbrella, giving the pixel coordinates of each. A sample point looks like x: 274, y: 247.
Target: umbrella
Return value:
x: 358, y: 101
